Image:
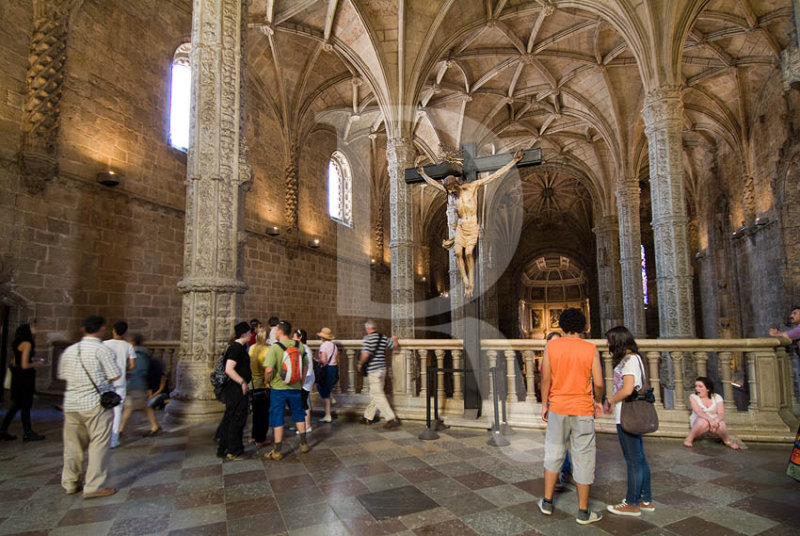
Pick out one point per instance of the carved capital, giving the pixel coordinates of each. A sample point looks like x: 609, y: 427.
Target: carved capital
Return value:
x: 790, y: 68
x: 662, y: 105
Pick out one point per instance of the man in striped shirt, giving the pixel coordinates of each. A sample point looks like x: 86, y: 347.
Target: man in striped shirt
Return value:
x: 373, y: 357
x: 88, y: 367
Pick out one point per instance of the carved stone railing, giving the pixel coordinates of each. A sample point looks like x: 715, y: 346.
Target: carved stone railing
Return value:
x: 767, y: 417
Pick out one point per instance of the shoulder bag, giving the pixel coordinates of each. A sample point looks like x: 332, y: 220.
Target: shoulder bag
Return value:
x: 638, y: 415
x: 365, y: 365
x: 109, y: 399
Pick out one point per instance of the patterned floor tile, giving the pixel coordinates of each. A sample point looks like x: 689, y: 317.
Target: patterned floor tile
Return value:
x: 173, y: 484
x: 695, y: 526
x: 396, y: 502
x: 495, y: 523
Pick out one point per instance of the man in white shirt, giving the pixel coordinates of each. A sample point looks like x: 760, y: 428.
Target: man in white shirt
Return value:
x: 88, y: 367
x: 124, y: 356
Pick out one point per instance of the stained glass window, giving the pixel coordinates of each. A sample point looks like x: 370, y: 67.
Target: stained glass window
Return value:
x: 644, y: 279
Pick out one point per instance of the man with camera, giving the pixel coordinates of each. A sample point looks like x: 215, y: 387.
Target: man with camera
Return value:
x: 88, y: 367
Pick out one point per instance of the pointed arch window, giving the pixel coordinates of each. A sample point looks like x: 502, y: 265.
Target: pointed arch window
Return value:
x: 340, y: 188
x: 180, y: 98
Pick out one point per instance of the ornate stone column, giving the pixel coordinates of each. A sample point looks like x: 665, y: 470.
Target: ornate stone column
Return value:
x: 400, y: 154
x: 38, y: 158
x: 630, y: 256
x: 608, y: 272
x: 292, y: 188
x: 662, y: 116
x: 217, y: 177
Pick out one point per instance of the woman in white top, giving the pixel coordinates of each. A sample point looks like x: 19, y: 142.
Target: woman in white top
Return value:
x: 708, y: 414
x: 628, y: 372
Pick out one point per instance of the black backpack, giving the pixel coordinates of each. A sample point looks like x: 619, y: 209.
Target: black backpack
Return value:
x: 218, y: 377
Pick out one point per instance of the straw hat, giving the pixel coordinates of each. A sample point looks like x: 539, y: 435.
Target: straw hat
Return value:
x: 325, y: 333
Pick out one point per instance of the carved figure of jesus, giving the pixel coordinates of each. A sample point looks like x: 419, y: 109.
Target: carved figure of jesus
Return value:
x: 467, y: 227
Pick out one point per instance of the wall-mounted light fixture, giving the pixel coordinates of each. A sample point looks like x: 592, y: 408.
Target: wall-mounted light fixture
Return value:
x: 109, y: 178
x: 273, y: 231
x: 313, y: 243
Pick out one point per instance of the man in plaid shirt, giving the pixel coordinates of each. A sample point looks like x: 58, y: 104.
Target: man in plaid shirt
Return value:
x: 86, y: 423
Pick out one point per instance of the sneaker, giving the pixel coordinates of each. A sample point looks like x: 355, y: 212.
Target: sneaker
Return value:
x: 273, y: 455
x: 304, y: 448
x: 308, y: 431
x: 647, y: 506
x: 114, y: 445
x: 624, y: 509
x: 326, y: 419
x: 394, y: 423
x: 546, y: 507
x: 366, y: 421
x: 234, y: 457
x: 585, y: 517
x: 32, y: 436
x: 105, y: 492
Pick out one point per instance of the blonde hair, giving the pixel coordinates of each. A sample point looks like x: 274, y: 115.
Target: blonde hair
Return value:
x: 261, y: 336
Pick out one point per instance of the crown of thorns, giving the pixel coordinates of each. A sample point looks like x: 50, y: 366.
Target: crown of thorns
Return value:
x: 451, y: 155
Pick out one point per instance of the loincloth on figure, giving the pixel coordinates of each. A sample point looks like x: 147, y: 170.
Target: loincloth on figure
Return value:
x: 467, y: 234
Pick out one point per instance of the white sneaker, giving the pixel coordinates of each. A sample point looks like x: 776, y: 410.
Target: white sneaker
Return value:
x: 326, y: 419
x: 308, y: 430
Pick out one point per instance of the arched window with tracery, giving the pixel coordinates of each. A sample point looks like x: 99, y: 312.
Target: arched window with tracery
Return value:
x: 180, y: 98
x: 340, y: 189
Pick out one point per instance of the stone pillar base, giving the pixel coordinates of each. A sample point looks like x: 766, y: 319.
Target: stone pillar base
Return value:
x: 194, y: 411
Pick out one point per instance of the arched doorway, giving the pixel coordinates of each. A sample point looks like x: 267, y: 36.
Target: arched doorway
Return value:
x: 549, y: 284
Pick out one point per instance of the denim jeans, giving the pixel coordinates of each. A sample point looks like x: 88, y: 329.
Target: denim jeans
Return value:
x: 638, y: 469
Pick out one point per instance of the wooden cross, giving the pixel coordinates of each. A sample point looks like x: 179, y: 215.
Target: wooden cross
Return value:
x: 473, y: 164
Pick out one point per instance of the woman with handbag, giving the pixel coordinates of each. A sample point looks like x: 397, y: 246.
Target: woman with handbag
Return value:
x: 629, y: 377
x: 708, y: 414
x: 23, y: 384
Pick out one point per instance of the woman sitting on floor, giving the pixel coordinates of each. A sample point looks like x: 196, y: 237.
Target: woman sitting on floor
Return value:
x: 708, y: 414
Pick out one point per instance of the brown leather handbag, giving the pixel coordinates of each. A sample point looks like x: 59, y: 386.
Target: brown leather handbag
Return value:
x: 638, y: 415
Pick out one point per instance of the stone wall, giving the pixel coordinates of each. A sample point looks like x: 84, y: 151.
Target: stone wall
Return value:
x: 77, y: 247
x: 80, y: 248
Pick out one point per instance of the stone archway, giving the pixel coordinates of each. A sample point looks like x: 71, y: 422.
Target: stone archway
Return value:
x: 549, y: 284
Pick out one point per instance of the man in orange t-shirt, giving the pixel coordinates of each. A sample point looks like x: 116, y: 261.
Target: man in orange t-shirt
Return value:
x: 571, y: 371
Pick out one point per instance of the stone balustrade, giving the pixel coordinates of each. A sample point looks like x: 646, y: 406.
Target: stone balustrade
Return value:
x: 770, y: 403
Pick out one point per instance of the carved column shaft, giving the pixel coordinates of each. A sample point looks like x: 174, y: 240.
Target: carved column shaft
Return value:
x: 292, y: 188
x: 662, y: 115
x: 608, y: 273
x: 217, y: 177
x: 400, y: 154
x: 630, y: 256
x: 44, y: 84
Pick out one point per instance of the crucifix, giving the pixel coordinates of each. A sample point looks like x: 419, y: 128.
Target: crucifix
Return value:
x: 467, y: 230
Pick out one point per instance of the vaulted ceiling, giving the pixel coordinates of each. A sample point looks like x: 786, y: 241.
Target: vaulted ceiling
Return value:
x: 568, y: 76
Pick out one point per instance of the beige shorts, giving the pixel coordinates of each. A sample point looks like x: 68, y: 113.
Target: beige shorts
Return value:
x: 579, y: 432
x: 135, y: 399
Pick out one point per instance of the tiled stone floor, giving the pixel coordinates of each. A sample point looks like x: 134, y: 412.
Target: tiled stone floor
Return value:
x: 367, y: 481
